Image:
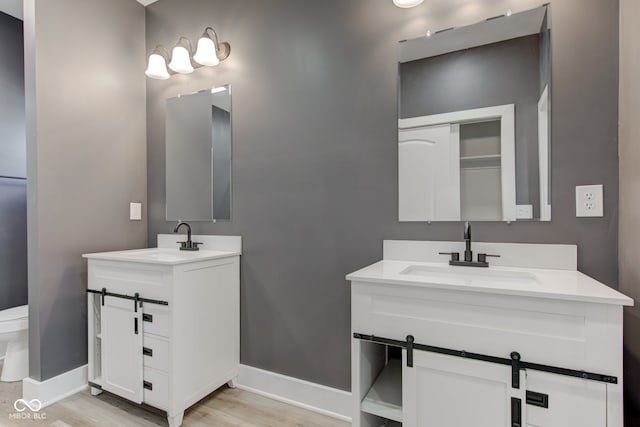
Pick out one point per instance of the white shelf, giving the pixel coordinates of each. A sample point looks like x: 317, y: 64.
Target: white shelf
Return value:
x: 384, y: 398
x: 485, y: 157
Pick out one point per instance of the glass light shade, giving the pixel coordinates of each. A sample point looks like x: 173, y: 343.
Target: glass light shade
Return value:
x: 157, y: 68
x: 206, y: 52
x: 180, y: 61
x: 407, y: 3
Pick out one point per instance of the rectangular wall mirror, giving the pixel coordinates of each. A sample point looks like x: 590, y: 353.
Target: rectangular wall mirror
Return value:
x: 474, y: 121
x: 198, y: 156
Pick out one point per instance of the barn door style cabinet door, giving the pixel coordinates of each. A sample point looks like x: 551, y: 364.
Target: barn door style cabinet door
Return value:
x: 442, y: 390
x: 122, y: 349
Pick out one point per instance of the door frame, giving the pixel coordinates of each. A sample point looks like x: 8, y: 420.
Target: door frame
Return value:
x: 506, y: 115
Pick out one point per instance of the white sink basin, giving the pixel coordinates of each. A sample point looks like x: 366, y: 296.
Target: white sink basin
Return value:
x: 470, y: 275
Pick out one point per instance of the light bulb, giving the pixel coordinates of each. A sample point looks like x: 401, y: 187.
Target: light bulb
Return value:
x: 180, y: 61
x: 509, y: 13
x: 206, y: 52
x: 157, y: 68
x: 407, y: 3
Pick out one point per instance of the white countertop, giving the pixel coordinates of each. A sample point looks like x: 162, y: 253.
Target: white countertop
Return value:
x: 162, y: 256
x: 568, y: 285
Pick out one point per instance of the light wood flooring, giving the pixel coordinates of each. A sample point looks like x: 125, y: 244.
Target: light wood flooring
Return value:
x: 224, y: 408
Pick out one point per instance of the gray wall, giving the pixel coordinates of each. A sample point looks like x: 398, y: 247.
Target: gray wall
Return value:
x: 13, y: 193
x: 315, y: 158
x: 86, y: 155
x: 630, y: 199
x: 496, y: 74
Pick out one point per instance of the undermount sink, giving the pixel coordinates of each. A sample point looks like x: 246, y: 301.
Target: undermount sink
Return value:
x: 470, y: 275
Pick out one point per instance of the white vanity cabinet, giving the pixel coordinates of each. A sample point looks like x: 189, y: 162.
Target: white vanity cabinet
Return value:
x: 164, y: 323
x: 432, y: 344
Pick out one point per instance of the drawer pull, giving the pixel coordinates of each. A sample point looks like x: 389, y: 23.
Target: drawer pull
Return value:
x: 147, y: 317
x: 147, y: 351
x: 147, y: 385
x: 537, y: 399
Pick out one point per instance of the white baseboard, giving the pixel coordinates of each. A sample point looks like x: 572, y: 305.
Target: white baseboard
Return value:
x: 304, y: 394
x: 56, y: 388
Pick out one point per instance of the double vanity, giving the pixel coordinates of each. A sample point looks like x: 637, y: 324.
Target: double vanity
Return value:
x: 164, y: 323
x: 528, y: 341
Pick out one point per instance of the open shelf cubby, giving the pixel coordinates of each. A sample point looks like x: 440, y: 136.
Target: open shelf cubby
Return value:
x: 381, y: 375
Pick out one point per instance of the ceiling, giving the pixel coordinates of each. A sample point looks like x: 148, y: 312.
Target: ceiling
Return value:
x: 14, y: 7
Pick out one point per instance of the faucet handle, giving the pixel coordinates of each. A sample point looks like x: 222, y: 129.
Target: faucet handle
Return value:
x: 455, y: 256
x: 483, y: 257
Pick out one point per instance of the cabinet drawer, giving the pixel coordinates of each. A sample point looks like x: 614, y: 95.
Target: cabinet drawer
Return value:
x: 155, y: 353
x: 155, y: 320
x: 156, y: 389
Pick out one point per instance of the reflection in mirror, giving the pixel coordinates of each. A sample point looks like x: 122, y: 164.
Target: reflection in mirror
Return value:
x: 474, y: 122
x: 198, y: 156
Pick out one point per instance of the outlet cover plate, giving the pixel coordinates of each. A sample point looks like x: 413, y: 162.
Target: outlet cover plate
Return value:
x: 135, y: 211
x: 524, y: 211
x: 589, y: 201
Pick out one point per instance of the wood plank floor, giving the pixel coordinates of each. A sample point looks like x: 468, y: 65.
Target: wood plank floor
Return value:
x: 224, y: 408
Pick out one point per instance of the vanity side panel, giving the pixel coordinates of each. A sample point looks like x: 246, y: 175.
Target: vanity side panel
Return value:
x: 205, y: 331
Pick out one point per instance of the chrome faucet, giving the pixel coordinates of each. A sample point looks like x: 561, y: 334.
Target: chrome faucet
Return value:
x: 189, y: 245
x: 468, y: 253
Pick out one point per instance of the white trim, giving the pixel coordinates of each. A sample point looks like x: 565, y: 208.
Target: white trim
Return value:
x: 543, y: 154
x: 56, y: 388
x: 304, y: 394
x: 506, y: 114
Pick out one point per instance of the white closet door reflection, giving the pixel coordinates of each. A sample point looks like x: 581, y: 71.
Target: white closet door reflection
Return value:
x: 429, y: 173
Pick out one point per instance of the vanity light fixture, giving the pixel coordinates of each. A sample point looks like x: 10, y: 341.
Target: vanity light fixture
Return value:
x: 218, y: 89
x: 181, y: 57
x: 405, y: 4
x: 157, y: 68
x: 209, y: 52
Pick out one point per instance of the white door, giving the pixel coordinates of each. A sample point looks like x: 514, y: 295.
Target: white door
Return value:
x: 572, y: 402
x: 122, y: 348
x: 429, y: 173
x: 447, y: 391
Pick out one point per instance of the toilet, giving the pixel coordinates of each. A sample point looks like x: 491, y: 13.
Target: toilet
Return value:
x: 14, y: 332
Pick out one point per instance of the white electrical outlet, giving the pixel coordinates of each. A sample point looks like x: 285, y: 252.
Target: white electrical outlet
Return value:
x: 589, y: 201
x: 524, y: 211
x: 135, y: 211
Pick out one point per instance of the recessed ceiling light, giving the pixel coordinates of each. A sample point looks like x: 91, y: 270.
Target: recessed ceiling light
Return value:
x: 407, y: 3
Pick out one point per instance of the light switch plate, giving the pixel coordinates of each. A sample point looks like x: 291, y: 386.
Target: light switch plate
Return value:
x: 524, y: 211
x: 589, y: 201
x: 135, y: 211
